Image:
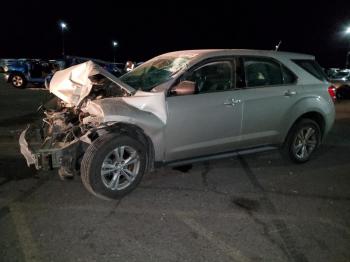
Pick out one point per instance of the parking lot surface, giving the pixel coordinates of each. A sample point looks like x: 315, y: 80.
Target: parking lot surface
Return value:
x: 257, y: 207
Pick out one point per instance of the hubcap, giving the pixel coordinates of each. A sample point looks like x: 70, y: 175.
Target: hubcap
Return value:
x: 17, y: 81
x: 120, y: 168
x: 305, y: 143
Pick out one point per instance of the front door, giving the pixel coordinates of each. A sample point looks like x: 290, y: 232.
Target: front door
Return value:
x: 209, y: 121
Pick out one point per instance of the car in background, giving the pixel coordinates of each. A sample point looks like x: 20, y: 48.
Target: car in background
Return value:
x: 34, y: 71
x: 116, y: 69
x: 179, y: 108
x: 341, y: 82
x: 5, y: 62
x: 330, y: 72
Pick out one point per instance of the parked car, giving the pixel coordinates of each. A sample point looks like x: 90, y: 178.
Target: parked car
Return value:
x: 330, y: 72
x: 341, y: 82
x: 117, y: 69
x: 23, y: 71
x: 179, y: 108
x: 5, y: 62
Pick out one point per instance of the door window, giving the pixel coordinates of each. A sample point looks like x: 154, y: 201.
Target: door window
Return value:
x: 213, y: 77
x: 262, y: 72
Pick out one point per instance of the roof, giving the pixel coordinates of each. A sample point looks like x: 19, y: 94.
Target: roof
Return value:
x: 207, y: 53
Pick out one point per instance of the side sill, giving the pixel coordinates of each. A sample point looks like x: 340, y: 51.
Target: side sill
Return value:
x: 187, y: 161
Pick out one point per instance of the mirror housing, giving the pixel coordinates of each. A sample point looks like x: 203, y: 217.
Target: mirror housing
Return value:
x: 184, y: 88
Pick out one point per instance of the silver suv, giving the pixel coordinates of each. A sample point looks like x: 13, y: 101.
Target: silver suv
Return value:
x: 178, y: 108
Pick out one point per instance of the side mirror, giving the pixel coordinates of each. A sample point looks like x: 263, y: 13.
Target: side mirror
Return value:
x: 184, y: 88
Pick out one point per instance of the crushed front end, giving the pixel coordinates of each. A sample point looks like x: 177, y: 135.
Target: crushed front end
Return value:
x: 58, y: 141
x: 67, y: 128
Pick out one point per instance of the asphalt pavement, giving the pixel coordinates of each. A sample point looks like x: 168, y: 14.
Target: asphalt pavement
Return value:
x: 247, y: 208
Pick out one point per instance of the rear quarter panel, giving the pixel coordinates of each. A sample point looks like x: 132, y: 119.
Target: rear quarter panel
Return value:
x: 315, y: 98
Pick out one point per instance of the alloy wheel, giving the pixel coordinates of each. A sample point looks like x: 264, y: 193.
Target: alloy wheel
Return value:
x: 120, y: 168
x: 305, y: 142
x: 17, y: 81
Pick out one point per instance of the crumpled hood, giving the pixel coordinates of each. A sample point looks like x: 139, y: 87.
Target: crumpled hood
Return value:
x: 72, y: 85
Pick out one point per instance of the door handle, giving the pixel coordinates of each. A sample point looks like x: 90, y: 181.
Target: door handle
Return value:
x: 232, y: 102
x: 290, y: 93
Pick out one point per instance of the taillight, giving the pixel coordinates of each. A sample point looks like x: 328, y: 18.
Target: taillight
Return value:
x: 331, y: 91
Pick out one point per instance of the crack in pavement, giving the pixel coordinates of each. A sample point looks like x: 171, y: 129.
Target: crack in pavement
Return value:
x: 289, y: 245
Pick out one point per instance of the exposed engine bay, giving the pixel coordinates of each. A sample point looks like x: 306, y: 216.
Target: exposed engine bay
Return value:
x: 62, y: 124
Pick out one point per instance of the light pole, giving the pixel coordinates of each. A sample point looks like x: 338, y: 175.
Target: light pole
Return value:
x: 114, y: 44
x: 63, y: 26
x: 347, y: 63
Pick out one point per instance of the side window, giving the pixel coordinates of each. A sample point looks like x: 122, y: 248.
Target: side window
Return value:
x: 213, y: 77
x: 288, y: 76
x: 312, y: 67
x: 262, y: 72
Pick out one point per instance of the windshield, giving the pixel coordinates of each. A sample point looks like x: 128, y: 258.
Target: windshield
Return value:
x: 154, y: 72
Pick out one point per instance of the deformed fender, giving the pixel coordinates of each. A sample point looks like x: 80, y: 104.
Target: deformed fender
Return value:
x: 140, y: 112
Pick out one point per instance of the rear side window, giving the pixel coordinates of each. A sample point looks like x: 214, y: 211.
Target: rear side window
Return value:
x: 262, y: 72
x: 311, y: 67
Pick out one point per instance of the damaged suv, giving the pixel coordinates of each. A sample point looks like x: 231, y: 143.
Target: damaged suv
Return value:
x: 175, y: 109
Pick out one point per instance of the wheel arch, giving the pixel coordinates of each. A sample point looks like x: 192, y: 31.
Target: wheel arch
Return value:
x: 13, y: 73
x: 135, y: 132
x: 313, y: 115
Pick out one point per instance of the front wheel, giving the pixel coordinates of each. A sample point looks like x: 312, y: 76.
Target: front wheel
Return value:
x: 113, y: 165
x: 18, y: 81
x: 302, y: 141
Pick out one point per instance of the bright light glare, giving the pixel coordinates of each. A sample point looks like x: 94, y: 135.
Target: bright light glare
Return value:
x: 115, y: 43
x: 63, y: 25
x: 347, y: 30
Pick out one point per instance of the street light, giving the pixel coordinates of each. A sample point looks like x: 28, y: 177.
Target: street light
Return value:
x: 347, y: 30
x: 347, y: 62
x: 115, y: 44
x: 63, y: 26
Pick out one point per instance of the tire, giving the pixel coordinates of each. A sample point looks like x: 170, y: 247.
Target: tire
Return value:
x: 18, y: 81
x: 114, y: 180
x: 300, y: 145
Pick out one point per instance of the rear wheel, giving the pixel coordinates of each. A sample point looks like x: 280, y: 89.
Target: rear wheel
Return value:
x: 18, y: 81
x: 303, y: 140
x: 113, y: 165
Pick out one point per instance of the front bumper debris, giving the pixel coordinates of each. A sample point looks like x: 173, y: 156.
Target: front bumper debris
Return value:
x: 44, y: 157
x: 25, y: 151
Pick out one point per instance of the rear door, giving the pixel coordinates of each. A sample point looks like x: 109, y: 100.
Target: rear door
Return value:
x: 270, y: 91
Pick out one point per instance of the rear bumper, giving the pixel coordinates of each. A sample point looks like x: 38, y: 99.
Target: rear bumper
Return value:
x: 45, y: 158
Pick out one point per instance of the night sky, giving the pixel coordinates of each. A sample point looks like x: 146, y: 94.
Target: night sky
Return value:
x: 30, y: 28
